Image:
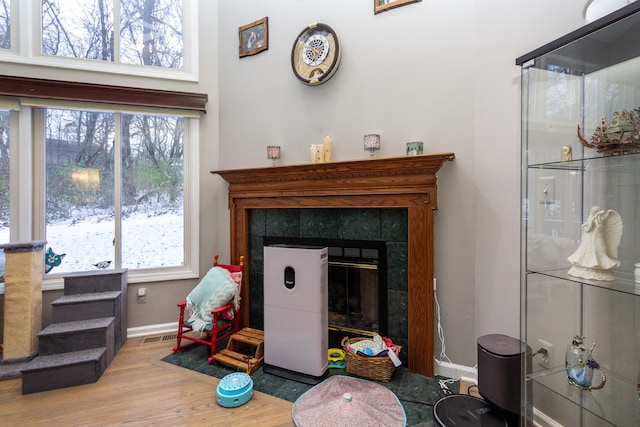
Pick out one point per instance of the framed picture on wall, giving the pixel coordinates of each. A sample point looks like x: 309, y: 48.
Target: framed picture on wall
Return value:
x: 384, y: 5
x: 254, y: 37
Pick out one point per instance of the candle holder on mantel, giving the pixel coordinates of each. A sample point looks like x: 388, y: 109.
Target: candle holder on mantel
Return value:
x: 273, y: 153
x: 372, y: 143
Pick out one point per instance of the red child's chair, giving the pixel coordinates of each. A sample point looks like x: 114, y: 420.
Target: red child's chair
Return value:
x: 225, y: 319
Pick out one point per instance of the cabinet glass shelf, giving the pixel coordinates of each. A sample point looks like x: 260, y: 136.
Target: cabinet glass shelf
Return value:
x: 611, y: 403
x: 624, y: 282
x: 618, y: 163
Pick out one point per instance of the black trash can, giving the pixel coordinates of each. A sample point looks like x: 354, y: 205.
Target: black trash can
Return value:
x: 459, y: 410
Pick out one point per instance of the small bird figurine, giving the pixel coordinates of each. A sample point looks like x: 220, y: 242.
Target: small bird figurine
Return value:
x: 102, y: 264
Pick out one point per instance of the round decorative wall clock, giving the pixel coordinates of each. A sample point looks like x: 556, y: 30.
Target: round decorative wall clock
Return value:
x: 315, y: 55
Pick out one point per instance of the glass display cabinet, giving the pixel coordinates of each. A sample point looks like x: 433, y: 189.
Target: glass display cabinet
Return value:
x: 581, y: 225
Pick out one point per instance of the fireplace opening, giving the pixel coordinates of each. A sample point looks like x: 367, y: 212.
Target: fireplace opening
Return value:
x: 357, y: 285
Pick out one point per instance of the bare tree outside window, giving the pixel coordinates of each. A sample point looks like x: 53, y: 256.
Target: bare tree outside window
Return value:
x: 153, y: 185
x: 558, y: 86
x: 150, y: 31
x: 4, y: 185
x: 78, y: 29
x: 80, y: 189
x: 5, y: 24
x: 4, y: 176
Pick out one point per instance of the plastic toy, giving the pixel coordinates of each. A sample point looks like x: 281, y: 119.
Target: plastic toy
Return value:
x: 336, y: 358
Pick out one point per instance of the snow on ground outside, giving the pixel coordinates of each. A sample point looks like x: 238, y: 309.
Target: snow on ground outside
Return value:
x: 148, y: 242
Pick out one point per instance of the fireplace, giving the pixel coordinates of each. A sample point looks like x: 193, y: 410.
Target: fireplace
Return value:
x: 357, y: 286
x: 407, y: 183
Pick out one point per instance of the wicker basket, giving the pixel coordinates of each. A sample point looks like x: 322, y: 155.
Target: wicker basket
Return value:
x: 375, y: 368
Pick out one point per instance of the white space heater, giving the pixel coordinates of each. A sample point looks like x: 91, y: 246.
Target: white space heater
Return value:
x: 296, y: 337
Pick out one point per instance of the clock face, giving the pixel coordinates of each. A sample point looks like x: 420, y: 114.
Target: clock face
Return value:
x: 315, y: 55
x: 315, y: 50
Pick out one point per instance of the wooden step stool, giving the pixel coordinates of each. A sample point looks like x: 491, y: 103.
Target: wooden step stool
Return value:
x: 232, y: 357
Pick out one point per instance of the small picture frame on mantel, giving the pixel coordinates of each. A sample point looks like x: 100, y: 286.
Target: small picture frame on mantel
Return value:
x: 253, y: 38
x: 384, y: 5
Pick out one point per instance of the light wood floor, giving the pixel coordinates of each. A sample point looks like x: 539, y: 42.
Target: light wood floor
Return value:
x: 139, y: 389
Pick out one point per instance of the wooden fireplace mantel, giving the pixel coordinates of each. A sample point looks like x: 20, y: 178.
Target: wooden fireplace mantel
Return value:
x: 396, y: 182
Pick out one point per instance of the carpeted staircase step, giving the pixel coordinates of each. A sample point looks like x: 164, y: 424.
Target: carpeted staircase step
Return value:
x: 56, y: 371
x: 78, y: 335
x: 95, y: 281
x: 68, y: 308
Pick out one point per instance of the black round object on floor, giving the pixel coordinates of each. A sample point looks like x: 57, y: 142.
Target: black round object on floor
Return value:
x: 463, y: 410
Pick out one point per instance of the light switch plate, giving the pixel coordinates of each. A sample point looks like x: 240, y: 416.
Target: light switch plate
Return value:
x: 546, y: 193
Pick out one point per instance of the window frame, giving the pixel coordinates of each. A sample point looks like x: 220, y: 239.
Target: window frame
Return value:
x: 26, y: 42
x: 12, y: 107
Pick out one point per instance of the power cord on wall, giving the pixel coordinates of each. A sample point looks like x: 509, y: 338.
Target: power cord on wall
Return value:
x: 443, y: 348
x: 444, y: 383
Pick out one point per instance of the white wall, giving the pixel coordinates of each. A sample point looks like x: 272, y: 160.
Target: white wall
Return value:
x: 504, y: 30
x: 438, y: 71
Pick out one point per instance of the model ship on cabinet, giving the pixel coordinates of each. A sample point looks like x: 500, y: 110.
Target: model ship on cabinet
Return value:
x: 621, y: 136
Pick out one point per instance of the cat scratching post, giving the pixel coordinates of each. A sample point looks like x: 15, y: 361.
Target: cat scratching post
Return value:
x: 24, y: 264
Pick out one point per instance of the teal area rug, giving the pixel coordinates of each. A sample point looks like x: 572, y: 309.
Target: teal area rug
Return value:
x: 416, y: 393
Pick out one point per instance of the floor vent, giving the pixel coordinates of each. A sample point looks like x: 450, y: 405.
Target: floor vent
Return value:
x: 158, y: 338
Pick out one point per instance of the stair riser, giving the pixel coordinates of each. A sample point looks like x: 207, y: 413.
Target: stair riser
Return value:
x: 56, y: 377
x: 92, y: 310
x: 78, y: 340
x: 83, y: 311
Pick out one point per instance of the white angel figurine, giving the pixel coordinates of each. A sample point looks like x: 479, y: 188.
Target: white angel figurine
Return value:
x: 597, y: 253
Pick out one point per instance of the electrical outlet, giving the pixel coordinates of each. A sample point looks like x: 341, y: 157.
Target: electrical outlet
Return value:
x: 142, y: 295
x: 546, y: 359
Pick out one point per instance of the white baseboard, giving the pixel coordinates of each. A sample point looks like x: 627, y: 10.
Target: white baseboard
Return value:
x: 452, y: 370
x: 143, y: 331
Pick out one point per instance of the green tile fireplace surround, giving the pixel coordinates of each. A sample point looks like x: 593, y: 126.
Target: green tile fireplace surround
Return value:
x: 386, y: 225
